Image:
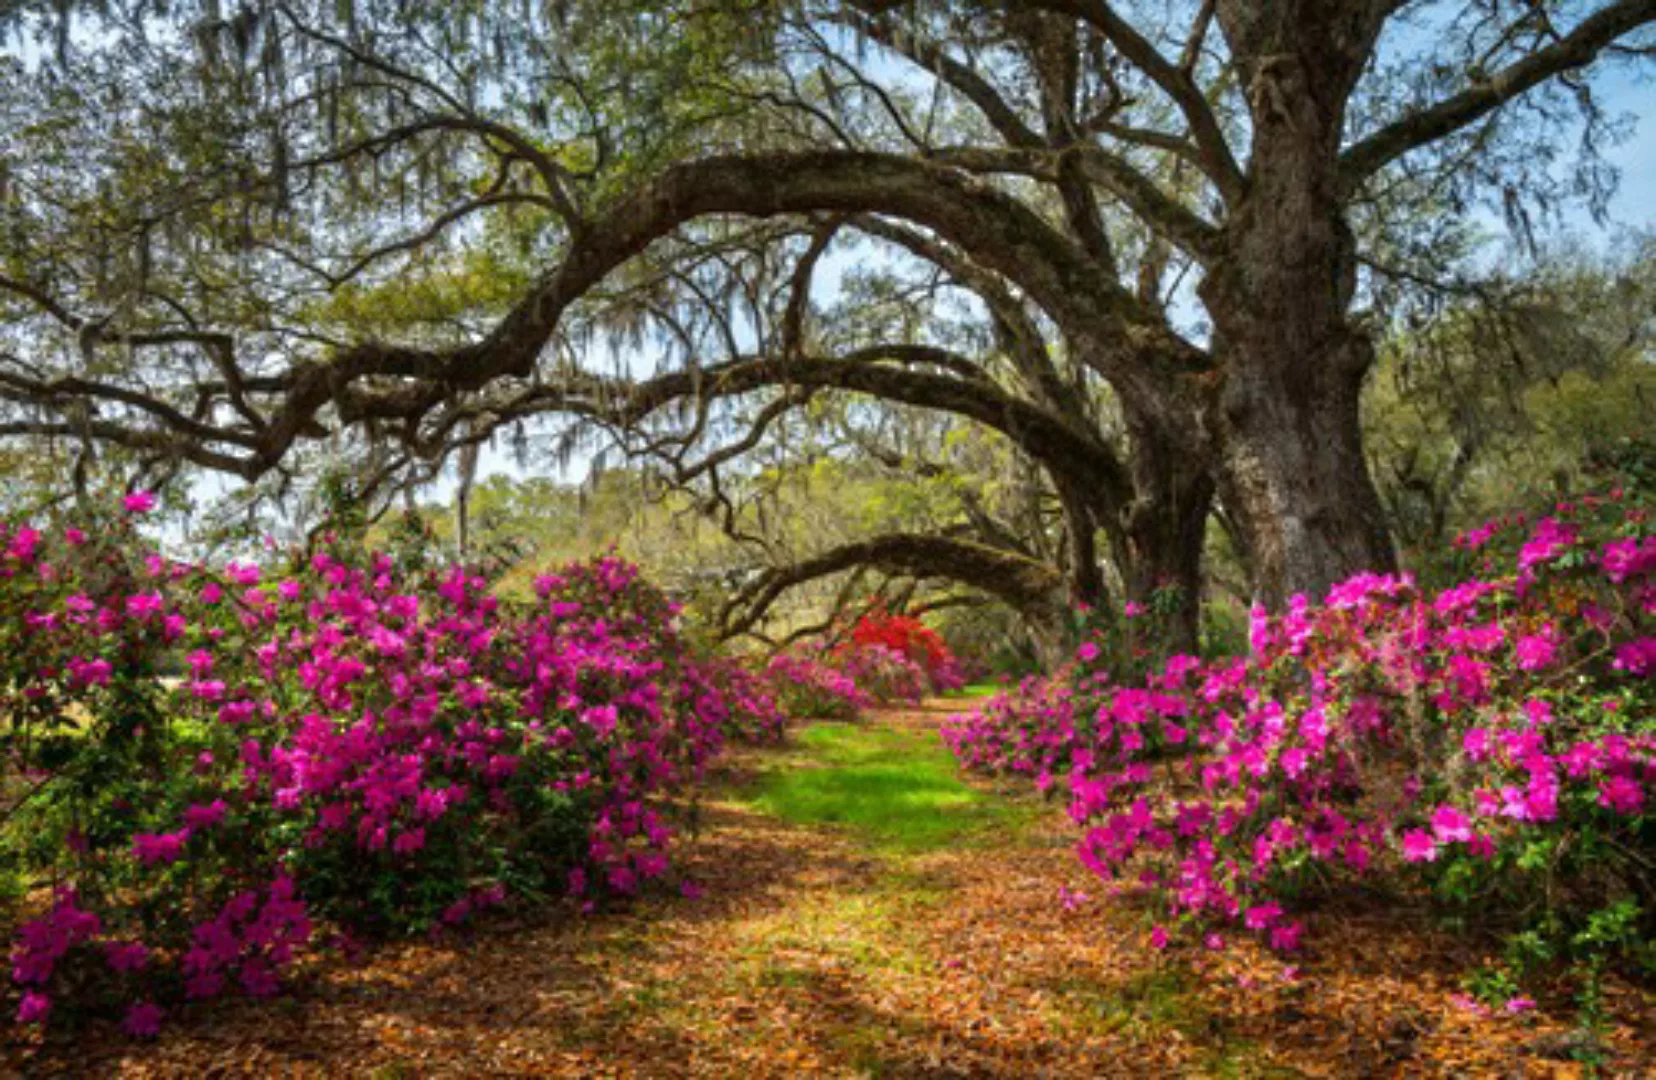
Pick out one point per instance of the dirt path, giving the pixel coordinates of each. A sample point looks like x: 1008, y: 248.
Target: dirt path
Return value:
x: 924, y: 937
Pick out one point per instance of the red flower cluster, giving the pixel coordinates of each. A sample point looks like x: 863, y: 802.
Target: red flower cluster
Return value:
x: 909, y: 637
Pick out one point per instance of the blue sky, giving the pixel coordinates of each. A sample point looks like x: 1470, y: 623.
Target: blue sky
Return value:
x: 1627, y: 92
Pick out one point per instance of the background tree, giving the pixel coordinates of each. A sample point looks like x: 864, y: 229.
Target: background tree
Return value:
x: 1505, y: 394
x: 396, y: 226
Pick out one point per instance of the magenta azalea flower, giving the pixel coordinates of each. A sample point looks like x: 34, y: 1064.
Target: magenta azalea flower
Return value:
x: 152, y: 848
x: 139, y: 502
x: 1535, y: 651
x: 1418, y: 846
x: 143, y: 605
x: 1637, y: 657
x: 34, y: 1008
x: 201, y: 816
x: 1450, y: 825
x: 126, y: 957
x: 1621, y: 794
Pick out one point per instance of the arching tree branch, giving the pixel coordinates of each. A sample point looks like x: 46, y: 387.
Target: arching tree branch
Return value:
x: 1574, y: 50
x: 1027, y: 585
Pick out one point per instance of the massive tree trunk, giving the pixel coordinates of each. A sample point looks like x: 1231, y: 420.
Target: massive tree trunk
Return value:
x: 1165, y: 529
x: 1279, y: 294
x: 1294, y: 458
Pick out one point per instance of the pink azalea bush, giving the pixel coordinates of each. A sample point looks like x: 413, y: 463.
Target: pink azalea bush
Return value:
x: 807, y: 685
x: 740, y: 700
x: 207, y: 765
x: 839, y: 683
x: 1490, y: 745
x: 883, y: 673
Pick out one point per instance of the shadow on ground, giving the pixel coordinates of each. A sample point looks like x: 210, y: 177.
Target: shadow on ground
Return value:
x: 865, y: 913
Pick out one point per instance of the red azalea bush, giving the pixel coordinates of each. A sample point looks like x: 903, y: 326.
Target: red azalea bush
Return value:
x: 1491, y: 744
x: 907, y: 637
x: 343, y: 738
x: 839, y: 683
x: 885, y: 659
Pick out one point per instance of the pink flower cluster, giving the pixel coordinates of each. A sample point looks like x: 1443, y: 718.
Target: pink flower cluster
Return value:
x: 255, y: 935
x: 808, y: 685
x: 344, y: 740
x: 735, y: 697
x: 1388, y: 730
x: 44, y: 941
x: 884, y: 674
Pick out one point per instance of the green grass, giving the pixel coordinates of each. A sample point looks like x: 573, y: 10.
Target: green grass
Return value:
x: 898, y: 791
x: 978, y: 690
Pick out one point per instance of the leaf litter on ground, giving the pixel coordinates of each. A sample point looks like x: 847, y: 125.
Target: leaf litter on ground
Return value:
x: 863, y: 911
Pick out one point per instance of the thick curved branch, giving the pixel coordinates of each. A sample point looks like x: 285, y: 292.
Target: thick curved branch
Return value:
x: 1159, y: 211
x: 52, y: 393
x: 799, y: 286
x: 997, y: 230
x: 1023, y: 583
x: 1024, y: 343
x: 150, y: 442
x: 378, y: 380
x: 1060, y: 446
x: 1574, y: 50
x: 1000, y: 231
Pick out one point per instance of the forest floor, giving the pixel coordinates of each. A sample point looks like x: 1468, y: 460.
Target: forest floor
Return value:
x: 865, y: 912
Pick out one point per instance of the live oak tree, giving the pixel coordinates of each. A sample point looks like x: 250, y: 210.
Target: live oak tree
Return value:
x: 230, y: 229
x: 894, y: 407
x: 433, y: 418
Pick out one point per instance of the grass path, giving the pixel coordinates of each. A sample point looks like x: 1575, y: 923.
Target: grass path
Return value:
x: 865, y: 913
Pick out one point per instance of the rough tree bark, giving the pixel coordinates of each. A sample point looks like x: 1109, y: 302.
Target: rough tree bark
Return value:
x: 1280, y: 292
